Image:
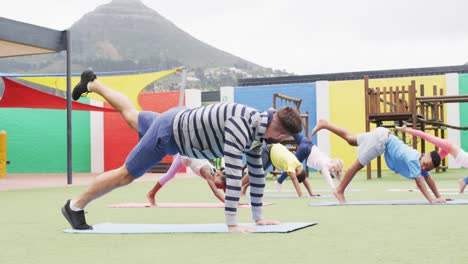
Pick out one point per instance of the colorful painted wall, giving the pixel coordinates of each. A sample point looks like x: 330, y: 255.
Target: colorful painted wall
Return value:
x: 37, y: 140
x: 119, y: 138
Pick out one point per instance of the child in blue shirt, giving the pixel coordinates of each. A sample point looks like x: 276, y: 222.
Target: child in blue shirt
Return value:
x: 398, y: 156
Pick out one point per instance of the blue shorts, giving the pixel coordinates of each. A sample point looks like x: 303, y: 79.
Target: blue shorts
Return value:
x: 303, y: 150
x: 156, y: 140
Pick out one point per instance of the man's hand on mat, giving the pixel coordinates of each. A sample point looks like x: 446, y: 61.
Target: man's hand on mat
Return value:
x: 267, y: 222
x: 438, y: 200
x: 241, y: 229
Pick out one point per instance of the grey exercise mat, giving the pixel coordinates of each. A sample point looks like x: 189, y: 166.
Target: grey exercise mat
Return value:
x: 112, y: 228
x: 292, y: 196
x: 387, y: 202
x: 317, y: 191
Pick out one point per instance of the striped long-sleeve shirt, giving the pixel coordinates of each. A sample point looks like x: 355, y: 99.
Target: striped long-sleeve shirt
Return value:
x: 228, y: 130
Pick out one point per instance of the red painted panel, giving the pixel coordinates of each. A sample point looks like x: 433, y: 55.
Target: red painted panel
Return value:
x: 119, y: 138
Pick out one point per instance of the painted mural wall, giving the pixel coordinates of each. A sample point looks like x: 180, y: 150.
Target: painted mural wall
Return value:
x: 119, y: 138
x: 37, y: 140
x: 463, y: 89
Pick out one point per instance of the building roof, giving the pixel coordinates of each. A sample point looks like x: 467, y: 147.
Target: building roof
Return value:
x: 354, y: 75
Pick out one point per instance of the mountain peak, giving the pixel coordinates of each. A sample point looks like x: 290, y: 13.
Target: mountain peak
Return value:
x: 127, y: 30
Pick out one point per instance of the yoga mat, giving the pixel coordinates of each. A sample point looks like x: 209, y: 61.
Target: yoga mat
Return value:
x: 318, y: 191
x: 112, y: 228
x: 416, y: 190
x: 176, y: 205
x: 452, y: 193
x: 280, y: 196
x: 387, y: 202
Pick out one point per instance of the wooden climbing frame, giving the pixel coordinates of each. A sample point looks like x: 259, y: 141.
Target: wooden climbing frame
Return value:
x: 398, y: 105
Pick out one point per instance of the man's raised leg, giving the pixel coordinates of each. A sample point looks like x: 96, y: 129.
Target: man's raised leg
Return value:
x: 119, y: 102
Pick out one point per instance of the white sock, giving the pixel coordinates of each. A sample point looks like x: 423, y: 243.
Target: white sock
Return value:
x: 72, y: 206
x: 87, y: 87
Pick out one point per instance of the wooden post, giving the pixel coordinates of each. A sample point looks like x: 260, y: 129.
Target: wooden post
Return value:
x: 399, y: 101
x: 412, y: 101
x: 384, y: 99
x: 274, y: 101
x: 366, y: 105
x: 379, y: 161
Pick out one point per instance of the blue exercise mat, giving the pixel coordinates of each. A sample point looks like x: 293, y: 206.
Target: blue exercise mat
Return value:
x: 387, y: 202
x: 111, y: 228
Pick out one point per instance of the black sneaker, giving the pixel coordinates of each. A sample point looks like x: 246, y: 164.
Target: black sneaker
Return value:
x: 75, y: 218
x: 82, y: 87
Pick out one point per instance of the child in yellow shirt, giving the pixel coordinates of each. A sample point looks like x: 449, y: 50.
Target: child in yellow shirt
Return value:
x: 281, y: 158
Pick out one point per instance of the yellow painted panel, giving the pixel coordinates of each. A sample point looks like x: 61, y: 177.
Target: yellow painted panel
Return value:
x: 347, y: 111
x: 3, y: 153
x: 131, y: 85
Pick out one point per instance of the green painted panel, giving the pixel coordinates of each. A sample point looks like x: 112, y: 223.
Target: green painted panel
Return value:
x: 463, y: 89
x: 37, y: 140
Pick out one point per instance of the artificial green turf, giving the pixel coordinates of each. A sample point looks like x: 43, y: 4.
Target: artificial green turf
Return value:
x: 31, y: 227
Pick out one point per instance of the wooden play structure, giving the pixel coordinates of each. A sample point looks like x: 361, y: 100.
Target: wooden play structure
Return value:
x: 290, y: 142
x: 406, y: 105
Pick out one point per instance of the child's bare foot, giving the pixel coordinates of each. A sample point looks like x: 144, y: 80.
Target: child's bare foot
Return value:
x: 340, y: 196
x: 322, y: 123
x: 461, y: 185
x: 403, y: 128
x: 150, y: 197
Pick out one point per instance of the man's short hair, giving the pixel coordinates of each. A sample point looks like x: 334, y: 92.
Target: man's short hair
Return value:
x: 435, y: 158
x: 290, y: 120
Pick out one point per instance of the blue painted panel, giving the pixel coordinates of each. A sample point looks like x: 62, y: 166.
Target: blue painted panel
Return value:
x: 261, y: 98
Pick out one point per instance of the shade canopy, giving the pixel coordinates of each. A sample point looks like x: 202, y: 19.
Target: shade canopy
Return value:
x: 20, y: 39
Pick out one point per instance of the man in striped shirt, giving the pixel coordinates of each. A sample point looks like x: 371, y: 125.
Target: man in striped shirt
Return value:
x: 207, y: 132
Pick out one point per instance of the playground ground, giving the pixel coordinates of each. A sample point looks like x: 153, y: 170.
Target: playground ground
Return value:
x: 31, y: 225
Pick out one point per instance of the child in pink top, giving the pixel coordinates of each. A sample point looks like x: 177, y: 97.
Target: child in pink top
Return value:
x: 203, y: 168
x: 446, y: 147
